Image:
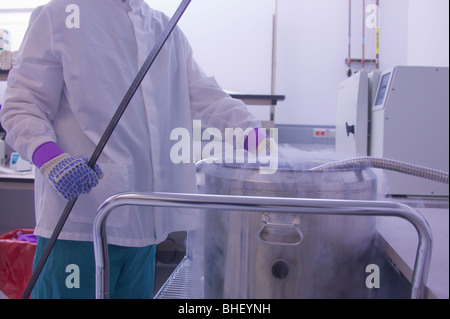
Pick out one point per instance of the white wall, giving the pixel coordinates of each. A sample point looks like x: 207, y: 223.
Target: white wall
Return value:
x: 428, y: 33
x: 232, y: 41
x: 313, y: 46
x: 394, y: 33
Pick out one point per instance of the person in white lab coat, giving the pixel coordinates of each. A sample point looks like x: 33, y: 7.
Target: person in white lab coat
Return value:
x: 67, y: 83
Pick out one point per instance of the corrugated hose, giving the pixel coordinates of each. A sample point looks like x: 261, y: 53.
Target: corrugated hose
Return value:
x: 387, y: 164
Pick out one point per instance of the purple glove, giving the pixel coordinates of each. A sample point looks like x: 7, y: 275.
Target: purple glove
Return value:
x: 45, y: 152
x: 254, y: 139
x: 70, y: 176
x: 31, y: 238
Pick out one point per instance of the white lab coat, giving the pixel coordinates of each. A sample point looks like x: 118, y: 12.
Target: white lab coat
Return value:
x: 67, y: 84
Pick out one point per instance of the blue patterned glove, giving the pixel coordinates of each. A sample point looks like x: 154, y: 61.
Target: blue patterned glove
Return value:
x: 71, y: 176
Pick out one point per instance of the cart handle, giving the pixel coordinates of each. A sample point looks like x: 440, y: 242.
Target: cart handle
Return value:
x: 263, y: 204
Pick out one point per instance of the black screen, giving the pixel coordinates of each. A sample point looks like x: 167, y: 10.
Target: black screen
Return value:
x: 383, y: 87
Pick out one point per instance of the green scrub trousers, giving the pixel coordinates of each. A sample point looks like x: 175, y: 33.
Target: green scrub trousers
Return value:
x: 69, y: 272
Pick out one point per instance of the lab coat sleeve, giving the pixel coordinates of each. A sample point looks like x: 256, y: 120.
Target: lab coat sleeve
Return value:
x: 34, y: 89
x: 211, y: 104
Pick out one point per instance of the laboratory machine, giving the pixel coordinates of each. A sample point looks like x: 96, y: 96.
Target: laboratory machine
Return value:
x: 400, y: 114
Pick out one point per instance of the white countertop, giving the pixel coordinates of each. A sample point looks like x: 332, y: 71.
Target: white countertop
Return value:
x: 402, y: 240
x: 7, y: 173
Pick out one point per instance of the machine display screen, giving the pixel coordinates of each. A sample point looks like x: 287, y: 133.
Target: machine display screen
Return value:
x: 383, y: 88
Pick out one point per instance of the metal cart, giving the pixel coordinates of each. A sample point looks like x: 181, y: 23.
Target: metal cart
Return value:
x: 185, y: 276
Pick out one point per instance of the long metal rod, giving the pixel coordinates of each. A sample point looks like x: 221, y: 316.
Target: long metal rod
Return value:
x: 263, y: 204
x: 273, y: 89
x: 363, y: 40
x: 377, y: 54
x: 104, y: 139
x: 349, y: 57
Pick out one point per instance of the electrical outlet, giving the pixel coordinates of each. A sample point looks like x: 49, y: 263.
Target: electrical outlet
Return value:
x: 331, y: 133
x: 320, y: 133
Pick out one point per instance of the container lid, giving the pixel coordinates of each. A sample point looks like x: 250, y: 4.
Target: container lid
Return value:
x: 287, y: 159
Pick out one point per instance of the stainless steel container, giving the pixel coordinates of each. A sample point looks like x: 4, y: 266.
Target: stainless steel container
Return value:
x: 272, y: 255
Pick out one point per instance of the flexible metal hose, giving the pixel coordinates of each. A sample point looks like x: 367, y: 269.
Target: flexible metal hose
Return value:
x: 388, y: 164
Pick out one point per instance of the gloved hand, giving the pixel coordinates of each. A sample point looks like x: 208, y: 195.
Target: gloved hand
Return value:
x: 71, y: 176
x: 258, y: 139
x: 254, y: 139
